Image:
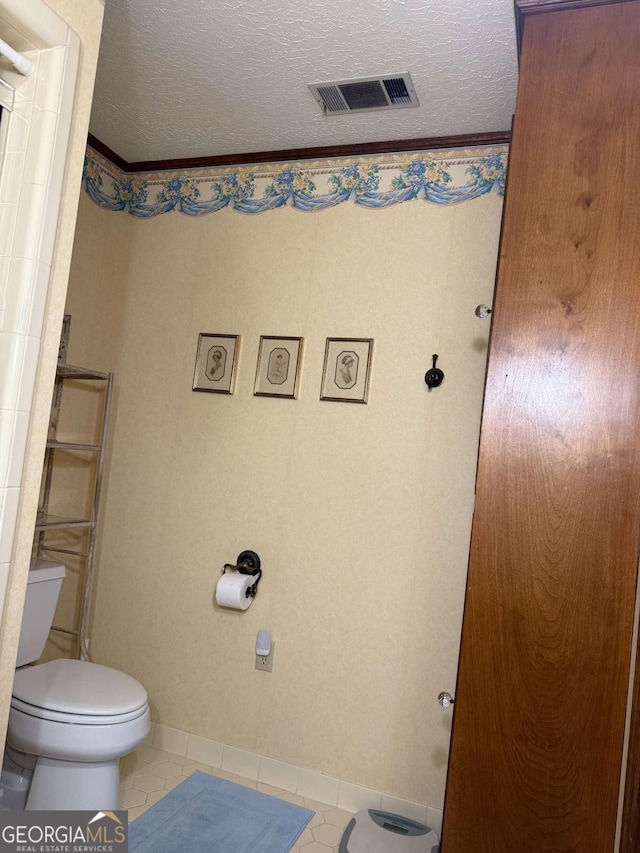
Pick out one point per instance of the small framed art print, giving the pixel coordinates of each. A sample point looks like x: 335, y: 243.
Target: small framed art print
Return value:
x: 278, y: 371
x: 347, y: 368
x: 216, y: 361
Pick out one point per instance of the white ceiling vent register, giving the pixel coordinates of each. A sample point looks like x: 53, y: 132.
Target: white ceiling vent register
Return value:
x: 340, y: 97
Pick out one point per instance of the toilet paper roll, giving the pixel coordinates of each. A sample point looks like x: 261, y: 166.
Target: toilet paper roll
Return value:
x: 231, y: 590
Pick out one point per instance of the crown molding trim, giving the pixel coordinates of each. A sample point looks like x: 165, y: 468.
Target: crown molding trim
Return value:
x: 471, y: 140
x: 107, y: 153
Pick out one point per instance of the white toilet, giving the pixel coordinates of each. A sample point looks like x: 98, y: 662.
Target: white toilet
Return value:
x: 70, y: 721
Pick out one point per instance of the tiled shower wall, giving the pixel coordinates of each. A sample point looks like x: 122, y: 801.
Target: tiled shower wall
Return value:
x: 34, y: 136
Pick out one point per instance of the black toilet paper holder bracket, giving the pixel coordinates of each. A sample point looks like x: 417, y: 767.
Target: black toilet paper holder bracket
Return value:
x: 248, y: 563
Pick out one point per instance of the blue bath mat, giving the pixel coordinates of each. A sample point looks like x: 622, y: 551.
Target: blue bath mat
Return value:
x: 209, y: 815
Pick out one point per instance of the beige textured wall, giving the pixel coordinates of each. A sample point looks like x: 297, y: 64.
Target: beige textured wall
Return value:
x: 361, y: 513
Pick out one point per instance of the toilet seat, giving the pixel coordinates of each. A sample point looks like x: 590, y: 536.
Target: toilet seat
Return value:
x: 76, y: 719
x: 78, y: 693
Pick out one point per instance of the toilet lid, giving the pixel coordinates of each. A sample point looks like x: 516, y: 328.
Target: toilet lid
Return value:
x: 78, y: 687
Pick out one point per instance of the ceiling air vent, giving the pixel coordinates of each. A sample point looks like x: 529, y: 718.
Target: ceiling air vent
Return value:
x: 391, y: 92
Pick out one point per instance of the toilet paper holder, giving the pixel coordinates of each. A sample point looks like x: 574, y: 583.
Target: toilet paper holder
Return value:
x: 248, y: 563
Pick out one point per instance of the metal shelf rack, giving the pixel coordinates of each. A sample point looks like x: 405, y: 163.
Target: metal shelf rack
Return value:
x: 95, y: 458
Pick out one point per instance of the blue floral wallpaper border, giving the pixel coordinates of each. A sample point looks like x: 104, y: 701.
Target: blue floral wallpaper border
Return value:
x: 440, y: 177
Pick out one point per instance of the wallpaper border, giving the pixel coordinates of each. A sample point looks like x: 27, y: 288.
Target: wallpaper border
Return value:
x: 374, y: 182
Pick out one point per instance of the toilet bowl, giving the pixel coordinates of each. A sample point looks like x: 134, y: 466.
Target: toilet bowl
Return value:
x: 70, y: 722
x: 77, y: 719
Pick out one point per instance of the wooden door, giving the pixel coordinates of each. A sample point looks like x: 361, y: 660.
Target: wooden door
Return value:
x: 540, y: 701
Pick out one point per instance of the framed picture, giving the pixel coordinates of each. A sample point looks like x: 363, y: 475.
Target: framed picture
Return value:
x: 278, y: 372
x: 216, y: 361
x: 347, y: 367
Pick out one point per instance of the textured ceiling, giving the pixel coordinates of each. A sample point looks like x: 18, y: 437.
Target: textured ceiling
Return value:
x: 197, y: 78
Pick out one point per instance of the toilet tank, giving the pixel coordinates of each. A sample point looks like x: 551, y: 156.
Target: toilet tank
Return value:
x: 43, y: 589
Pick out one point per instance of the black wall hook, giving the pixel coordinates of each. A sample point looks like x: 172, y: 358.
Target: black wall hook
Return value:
x: 434, y: 376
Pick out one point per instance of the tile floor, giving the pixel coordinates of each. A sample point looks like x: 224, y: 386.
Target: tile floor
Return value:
x: 149, y: 773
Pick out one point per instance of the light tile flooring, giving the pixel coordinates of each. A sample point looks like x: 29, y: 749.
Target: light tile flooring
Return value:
x: 149, y: 773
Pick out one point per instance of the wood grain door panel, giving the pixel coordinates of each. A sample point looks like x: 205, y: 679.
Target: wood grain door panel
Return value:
x: 542, y: 684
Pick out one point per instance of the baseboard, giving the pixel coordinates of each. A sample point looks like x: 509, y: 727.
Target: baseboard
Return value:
x: 297, y: 780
